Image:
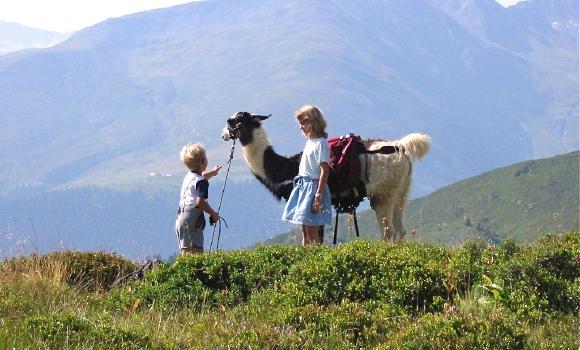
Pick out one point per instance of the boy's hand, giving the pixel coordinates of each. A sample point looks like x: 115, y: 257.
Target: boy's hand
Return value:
x: 209, y: 174
x: 213, y: 218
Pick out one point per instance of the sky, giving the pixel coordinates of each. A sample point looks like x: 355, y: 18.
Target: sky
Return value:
x: 72, y: 15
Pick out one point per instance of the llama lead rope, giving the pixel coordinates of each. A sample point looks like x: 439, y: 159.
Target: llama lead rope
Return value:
x: 219, y: 223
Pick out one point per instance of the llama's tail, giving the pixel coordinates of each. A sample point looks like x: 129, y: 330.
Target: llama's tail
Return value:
x: 416, y: 145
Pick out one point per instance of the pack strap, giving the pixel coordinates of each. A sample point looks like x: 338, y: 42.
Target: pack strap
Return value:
x: 385, y: 150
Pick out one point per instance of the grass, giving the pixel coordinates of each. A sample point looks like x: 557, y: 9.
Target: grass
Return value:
x: 359, y: 295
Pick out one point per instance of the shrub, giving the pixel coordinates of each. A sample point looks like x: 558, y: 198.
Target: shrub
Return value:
x: 215, y: 279
x: 507, y: 249
x: 544, y: 277
x: 560, y: 332
x: 408, y: 275
x: 65, y: 330
x: 466, y: 266
x: 358, y: 324
x: 84, y: 270
x: 499, y: 330
x: 229, y: 331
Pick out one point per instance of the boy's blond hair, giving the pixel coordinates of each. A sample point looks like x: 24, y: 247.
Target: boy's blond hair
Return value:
x: 316, y: 118
x: 193, y: 156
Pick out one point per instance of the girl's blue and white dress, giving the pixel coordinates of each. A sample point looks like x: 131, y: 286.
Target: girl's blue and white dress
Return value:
x: 298, y: 207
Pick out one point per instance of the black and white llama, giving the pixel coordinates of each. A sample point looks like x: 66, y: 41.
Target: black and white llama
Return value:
x: 386, y: 177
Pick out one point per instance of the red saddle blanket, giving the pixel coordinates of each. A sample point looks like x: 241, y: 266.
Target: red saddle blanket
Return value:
x: 345, y: 168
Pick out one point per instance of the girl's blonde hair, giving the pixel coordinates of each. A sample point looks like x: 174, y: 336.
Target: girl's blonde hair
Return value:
x: 314, y: 115
x: 193, y: 156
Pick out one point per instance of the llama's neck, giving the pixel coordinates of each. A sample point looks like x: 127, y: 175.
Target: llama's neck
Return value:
x: 274, y: 171
x: 254, y: 152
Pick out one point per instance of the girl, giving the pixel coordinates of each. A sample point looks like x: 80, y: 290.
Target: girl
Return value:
x: 309, y: 202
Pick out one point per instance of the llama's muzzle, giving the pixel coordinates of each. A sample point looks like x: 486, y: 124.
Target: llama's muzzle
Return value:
x: 226, y: 134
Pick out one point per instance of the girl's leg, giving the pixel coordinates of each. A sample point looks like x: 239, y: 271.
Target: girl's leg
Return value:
x: 312, y: 235
x: 195, y: 250
x: 305, y: 236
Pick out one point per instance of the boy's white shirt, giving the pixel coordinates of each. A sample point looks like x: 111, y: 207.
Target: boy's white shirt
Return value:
x: 316, y: 151
x: 188, y: 196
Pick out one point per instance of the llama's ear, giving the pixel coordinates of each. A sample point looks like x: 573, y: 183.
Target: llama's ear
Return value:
x: 261, y: 117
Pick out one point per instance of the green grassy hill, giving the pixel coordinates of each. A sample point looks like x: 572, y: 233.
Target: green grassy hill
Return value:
x: 520, y: 202
x: 361, y: 295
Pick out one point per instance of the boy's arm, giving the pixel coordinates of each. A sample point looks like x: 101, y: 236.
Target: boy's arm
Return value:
x: 209, y: 174
x: 204, y: 205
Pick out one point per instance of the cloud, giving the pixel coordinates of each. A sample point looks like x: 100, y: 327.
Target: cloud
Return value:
x: 69, y: 15
x: 508, y: 3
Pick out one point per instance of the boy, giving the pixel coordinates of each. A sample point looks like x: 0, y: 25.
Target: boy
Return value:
x: 193, y: 203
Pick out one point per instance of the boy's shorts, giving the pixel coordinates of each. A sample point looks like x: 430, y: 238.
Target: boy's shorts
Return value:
x: 189, y: 228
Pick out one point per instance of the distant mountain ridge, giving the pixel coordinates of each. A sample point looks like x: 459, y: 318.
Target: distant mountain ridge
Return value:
x: 136, y: 223
x: 522, y: 202
x: 491, y: 85
x: 16, y: 37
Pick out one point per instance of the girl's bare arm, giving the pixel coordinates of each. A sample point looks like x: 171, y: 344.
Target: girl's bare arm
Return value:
x: 324, y: 171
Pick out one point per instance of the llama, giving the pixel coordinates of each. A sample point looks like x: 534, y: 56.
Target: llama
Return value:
x: 386, y: 177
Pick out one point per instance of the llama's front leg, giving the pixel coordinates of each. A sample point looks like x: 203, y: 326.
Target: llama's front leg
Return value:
x: 384, y: 211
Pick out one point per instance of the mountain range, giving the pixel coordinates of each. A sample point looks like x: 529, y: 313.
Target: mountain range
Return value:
x: 16, y: 37
x: 115, y: 102
x: 91, y: 128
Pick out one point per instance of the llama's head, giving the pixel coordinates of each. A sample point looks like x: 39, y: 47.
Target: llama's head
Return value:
x: 241, y: 126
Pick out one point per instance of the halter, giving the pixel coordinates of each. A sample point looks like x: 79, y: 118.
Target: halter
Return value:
x: 235, y: 131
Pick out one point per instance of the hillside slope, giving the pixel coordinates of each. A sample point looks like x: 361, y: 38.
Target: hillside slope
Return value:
x: 521, y: 202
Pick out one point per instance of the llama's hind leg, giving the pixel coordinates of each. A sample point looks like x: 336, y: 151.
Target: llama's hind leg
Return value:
x: 398, y: 214
x: 399, y: 230
x: 384, y: 210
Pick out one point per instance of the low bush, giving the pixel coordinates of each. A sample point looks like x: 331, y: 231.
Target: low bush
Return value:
x: 84, y: 270
x: 498, y: 330
x: 466, y: 266
x: 560, y: 332
x: 67, y: 330
x: 214, y: 279
x: 224, y: 331
x: 410, y: 275
x: 358, y: 295
x: 544, y: 277
x: 360, y: 324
